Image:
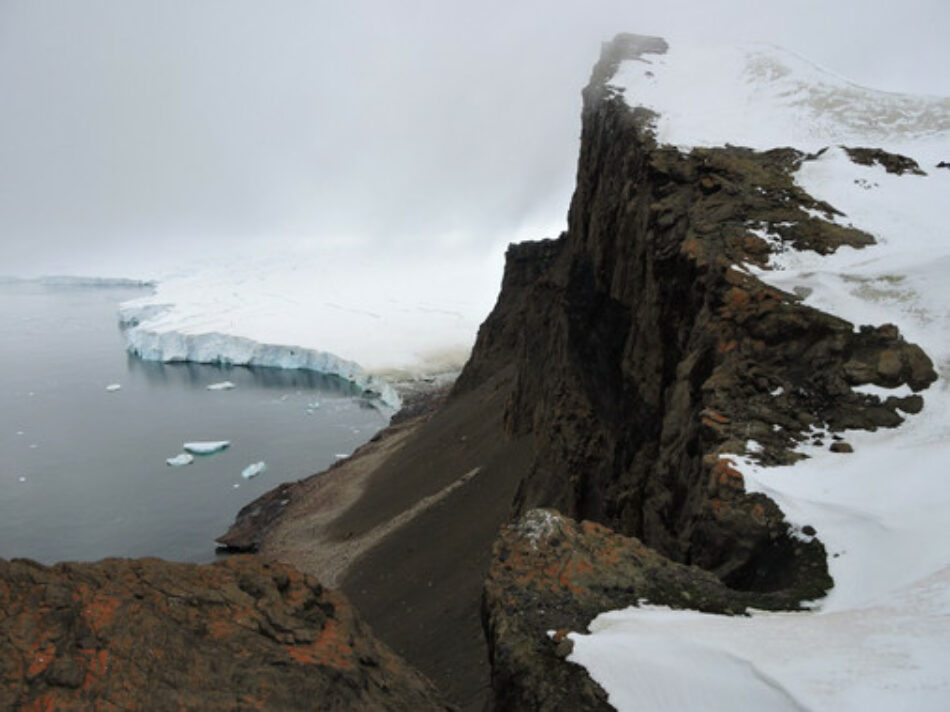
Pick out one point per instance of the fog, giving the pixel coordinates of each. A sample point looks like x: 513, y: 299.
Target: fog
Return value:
x: 136, y: 134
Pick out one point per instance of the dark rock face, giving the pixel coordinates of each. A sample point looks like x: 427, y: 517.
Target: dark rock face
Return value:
x: 643, y: 350
x: 892, y: 162
x: 152, y: 635
x: 551, y: 573
x: 255, y: 520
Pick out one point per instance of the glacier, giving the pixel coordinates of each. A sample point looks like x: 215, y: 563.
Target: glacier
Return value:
x: 370, y: 318
x: 880, y: 639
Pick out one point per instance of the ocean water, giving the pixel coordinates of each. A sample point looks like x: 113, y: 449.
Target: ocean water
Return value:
x: 82, y: 469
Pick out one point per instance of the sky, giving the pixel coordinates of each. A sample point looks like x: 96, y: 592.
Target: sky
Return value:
x: 137, y: 133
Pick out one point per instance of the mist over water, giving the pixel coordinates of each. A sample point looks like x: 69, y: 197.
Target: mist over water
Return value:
x: 139, y: 135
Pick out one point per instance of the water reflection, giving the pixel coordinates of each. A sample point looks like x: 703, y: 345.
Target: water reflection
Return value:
x: 194, y: 375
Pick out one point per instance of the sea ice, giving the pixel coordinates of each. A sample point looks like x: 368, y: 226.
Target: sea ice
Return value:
x: 180, y: 460
x: 253, y: 470
x: 222, y: 386
x: 207, y: 447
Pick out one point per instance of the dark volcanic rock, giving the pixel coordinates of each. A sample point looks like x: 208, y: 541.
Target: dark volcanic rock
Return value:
x: 550, y: 573
x: 256, y: 519
x: 892, y: 162
x: 643, y: 350
x: 152, y: 635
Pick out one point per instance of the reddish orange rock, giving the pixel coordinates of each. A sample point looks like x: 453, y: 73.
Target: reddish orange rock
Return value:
x: 153, y: 635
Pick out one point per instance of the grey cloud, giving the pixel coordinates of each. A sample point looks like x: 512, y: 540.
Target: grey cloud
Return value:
x: 130, y: 125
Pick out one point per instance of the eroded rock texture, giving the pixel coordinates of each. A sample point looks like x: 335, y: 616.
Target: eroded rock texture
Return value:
x: 152, y: 635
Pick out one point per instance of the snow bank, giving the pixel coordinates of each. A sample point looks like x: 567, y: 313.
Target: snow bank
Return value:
x: 369, y: 318
x: 881, y: 639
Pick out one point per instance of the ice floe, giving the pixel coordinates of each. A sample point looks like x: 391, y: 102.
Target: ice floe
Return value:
x: 206, y: 447
x: 180, y: 460
x: 220, y: 386
x: 253, y: 470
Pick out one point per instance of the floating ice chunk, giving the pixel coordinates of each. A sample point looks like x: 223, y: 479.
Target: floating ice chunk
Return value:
x: 222, y: 386
x: 253, y: 470
x: 341, y: 456
x: 313, y: 405
x: 180, y: 460
x: 19, y: 432
x: 113, y: 387
x: 21, y: 479
x: 207, y: 447
x: 236, y: 485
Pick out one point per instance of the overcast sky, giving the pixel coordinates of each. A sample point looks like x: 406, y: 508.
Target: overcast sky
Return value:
x: 131, y: 130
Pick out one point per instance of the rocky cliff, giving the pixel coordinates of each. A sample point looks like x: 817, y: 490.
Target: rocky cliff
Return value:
x: 644, y: 352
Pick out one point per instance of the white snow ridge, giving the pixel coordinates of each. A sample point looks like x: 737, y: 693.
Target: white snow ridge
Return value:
x: 881, y: 639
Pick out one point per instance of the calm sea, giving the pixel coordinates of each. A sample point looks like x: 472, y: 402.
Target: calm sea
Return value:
x: 82, y: 469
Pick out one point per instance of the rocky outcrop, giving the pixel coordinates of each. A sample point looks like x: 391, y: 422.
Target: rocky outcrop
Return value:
x: 152, y: 635
x: 551, y: 575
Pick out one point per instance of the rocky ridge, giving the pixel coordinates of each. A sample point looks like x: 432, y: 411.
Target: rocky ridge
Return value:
x: 645, y: 350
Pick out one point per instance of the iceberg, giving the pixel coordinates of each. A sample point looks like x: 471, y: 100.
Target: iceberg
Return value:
x: 180, y: 460
x: 207, y: 447
x: 222, y: 386
x: 253, y: 470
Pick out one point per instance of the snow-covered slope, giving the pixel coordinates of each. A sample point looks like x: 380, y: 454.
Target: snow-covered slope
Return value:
x: 763, y: 97
x: 366, y: 317
x: 881, y: 639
